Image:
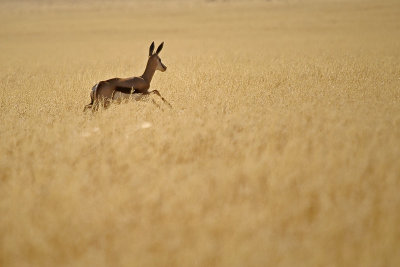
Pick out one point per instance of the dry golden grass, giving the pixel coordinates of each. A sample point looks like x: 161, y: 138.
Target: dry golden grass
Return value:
x: 282, y: 149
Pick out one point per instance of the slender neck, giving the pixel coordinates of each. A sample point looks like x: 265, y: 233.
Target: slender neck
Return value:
x: 148, y: 72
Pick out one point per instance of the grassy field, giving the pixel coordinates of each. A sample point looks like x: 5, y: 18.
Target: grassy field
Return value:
x: 282, y: 147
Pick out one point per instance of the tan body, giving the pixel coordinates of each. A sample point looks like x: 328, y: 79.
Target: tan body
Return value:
x: 118, y: 89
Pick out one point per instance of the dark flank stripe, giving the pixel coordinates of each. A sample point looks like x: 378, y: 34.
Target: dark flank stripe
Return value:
x: 124, y: 90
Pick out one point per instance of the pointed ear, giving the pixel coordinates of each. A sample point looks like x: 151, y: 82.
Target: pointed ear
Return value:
x: 160, y: 48
x: 151, y: 49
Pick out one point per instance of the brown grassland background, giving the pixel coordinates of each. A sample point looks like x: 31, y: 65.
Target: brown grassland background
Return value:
x: 282, y: 147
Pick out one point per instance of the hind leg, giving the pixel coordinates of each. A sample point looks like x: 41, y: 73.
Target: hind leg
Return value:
x: 104, y: 94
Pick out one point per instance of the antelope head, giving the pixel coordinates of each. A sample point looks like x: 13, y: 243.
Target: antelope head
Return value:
x: 154, y: 59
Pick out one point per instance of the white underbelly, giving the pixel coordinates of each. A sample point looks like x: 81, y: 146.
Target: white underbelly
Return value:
x: 119, y: 96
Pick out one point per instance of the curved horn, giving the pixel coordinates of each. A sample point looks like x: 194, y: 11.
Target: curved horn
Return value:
x: 151, y: 49
x: 160, y: 48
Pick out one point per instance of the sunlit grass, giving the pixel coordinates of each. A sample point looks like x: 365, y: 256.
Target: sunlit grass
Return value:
x: 282, y: 147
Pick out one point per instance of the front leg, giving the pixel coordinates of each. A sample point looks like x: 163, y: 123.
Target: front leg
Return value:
x: 158, y: 93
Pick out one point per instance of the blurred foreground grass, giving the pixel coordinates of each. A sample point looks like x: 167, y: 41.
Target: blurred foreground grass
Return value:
x: 282, y: 149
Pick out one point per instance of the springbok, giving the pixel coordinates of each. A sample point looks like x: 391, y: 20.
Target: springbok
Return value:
x: 118, y: 89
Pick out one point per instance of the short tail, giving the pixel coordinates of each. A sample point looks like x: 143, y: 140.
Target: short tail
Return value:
x: 93, y: 94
